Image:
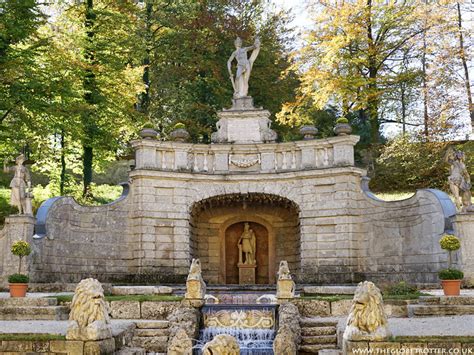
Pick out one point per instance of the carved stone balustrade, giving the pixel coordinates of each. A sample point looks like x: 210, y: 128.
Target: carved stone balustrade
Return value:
x: 255, y: 158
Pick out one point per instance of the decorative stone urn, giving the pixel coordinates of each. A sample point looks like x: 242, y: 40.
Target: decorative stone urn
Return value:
x: 308, y: 131
x: 148, y: 133
x: 342, y: 129
x: 179, y: 135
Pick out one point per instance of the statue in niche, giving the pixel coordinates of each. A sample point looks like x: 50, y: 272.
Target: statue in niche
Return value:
x: 244, y: 66
x: 247, y: 246
x: 459, y: 181
x: 20, y: 186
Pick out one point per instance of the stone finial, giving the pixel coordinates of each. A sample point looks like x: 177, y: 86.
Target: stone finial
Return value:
x: 459, y: 181
x: 367, y: 320
x: 89, y: 316
x: 222, y: 344
x: 285, y: 284
x: 195, y: 285
x: 308, y: 132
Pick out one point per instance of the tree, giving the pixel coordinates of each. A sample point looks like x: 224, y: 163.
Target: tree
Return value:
x: 352, y: 56
x: 190, y: 43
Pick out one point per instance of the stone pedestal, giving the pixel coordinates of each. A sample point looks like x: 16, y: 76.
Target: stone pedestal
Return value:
x: 464, y: 227
x: 244, y: 123
x: 285, y: 289
x: 17, y: 227
x: 247, y: 274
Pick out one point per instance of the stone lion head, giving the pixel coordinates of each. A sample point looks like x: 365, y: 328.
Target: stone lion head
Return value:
x: 88, y: 304
x: 367, y: 313
x: 222, y: 344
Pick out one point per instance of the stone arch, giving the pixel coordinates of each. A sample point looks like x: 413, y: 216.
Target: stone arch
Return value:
x: 211, y: 218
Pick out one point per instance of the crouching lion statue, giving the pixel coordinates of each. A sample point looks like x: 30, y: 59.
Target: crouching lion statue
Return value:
x: 222, y: 344
x: 367, y: 319
x: 89, y: 316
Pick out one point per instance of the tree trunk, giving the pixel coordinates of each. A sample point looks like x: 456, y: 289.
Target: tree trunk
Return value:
x: 62, y: 181
x: 144, y: 100
x: 462, y: 54
x: 89, y: 97
x: 373, y: 99
x: 425, y: 90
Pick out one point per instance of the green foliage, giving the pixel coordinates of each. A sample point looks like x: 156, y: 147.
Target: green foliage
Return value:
x: 342, y: 120
x: 450, y: 274
x: 450, y: 242
x: 18, y: 279
x: 405, y: 164
x: 400, y: 289
x: 149, y: 125
x: 5, y: 208
x: 179, y: 125
x: 21, y: 248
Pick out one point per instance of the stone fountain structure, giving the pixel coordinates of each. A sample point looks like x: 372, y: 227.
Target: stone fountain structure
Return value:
x: 304, y: 201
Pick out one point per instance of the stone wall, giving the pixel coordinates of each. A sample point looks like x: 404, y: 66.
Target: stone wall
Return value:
x: 399, y: 240
x: 77, y: 242
x: 322, y: 219
x: 15, y: 228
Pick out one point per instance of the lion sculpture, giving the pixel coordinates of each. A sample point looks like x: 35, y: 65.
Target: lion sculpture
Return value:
x: 367, y: 319
x: 222, y: 344
x: 89, y: 316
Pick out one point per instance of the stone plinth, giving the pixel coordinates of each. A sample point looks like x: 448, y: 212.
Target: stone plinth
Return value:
x: 285, y: 289
x: 244, y: 124
x: 247, y: 274
x: 464, y: 226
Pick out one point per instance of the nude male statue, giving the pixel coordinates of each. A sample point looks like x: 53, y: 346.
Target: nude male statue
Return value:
x: 244, y: 66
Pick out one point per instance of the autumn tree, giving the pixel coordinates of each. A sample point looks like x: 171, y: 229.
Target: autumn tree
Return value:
x: 354, y: 53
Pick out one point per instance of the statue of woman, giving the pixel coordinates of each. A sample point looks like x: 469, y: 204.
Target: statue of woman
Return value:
x: 459, y: 181
x: 244, y: 67
x: 19, y: 185
x: 247, y: 246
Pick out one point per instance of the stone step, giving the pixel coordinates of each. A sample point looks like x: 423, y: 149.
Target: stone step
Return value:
x: 320, y: 339
x: 330, y: 352
x: 28, y: 302
x: 131, y: 351
x: 318, y: 322
x: 141, y: 290
x: 315, y: 348
x: 34, y: 313
x: 314, y: 331
x: 439, y: 310
x: 151, y: 332
x: 446, y: 300
x: 152, y: 324
x: 155, y: 344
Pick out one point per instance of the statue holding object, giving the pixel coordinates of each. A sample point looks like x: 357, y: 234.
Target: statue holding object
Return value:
x: 459, y: 181
x: 244, y: 67
x: 247, y: 246
x: 20, y: 187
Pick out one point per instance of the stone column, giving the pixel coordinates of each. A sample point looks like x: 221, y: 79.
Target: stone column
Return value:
x: 16, y: 227
x: 464, y: 227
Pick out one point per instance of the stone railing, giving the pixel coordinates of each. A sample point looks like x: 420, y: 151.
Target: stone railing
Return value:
x: 227, y: 158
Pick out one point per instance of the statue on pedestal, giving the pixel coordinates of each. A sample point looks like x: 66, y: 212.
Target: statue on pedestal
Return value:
x: 247, y: 246
x: 20, y: 186
x: 460, y: 181
x: 244, y: 67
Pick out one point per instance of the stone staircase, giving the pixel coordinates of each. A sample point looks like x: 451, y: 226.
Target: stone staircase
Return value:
x: 429, y: 306
x: 318, y: 333
x: 28, y: 308
x: 151, y: 335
